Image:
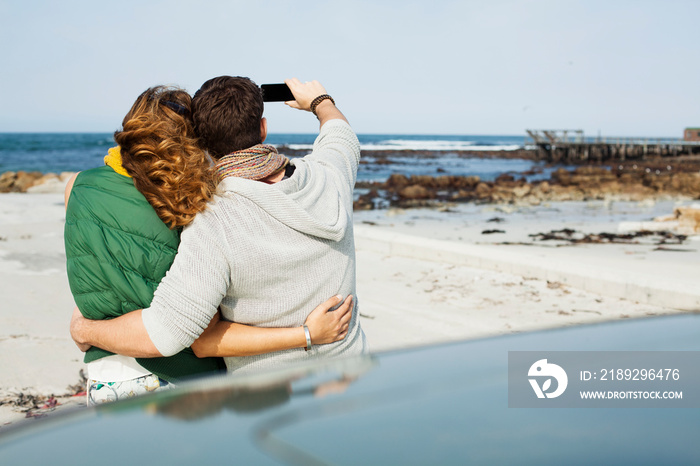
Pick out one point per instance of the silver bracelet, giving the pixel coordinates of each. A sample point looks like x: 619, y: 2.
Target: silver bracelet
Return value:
x: 308, y: 338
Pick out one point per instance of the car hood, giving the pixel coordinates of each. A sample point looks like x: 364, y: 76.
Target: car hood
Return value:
x: 444, y: 404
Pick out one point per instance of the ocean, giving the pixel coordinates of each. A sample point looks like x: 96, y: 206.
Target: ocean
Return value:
x: 437, y: 154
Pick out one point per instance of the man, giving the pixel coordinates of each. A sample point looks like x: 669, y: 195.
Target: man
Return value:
x: 276, y: 240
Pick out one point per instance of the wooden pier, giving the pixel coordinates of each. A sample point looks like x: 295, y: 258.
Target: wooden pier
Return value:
x: 573, y: 147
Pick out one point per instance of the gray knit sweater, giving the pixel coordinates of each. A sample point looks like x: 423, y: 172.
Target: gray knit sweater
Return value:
x: 267, y: 254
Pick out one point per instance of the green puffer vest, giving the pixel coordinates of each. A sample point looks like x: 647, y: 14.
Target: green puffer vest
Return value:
x: 117, y: 251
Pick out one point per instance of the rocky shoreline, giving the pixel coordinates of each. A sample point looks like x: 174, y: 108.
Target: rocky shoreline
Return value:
x: 627, y: 181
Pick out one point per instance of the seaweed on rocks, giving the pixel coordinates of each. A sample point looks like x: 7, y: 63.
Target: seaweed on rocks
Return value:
x: 574, y: 237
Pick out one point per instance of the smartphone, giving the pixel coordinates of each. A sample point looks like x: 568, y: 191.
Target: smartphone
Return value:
x: 276, y: 93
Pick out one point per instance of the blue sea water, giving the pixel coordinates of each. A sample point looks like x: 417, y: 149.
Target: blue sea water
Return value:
x: 58, y: 152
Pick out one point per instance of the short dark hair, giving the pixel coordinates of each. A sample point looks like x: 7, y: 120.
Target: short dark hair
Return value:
x: 226, y: 112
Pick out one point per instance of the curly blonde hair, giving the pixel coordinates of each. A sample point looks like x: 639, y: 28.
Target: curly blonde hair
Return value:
x: 160, y: 151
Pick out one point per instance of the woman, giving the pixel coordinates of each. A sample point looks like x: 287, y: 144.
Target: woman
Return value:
x: 121, y: 236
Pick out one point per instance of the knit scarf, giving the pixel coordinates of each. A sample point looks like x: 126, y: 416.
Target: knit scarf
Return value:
x: 254, y: 163
x: 114, y: 160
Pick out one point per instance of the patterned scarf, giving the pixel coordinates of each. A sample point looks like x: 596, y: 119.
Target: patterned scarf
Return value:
x: 254, y: 163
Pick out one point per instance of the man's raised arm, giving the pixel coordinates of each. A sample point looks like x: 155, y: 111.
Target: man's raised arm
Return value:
x: 337, y: 145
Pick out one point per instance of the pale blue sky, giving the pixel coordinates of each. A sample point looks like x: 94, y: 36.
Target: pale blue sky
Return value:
x: 623, y: 67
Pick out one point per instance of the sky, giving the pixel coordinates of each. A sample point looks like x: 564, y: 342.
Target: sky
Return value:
x: 612, y: 67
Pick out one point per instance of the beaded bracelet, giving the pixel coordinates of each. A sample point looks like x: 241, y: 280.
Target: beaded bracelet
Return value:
x: 318, y: 100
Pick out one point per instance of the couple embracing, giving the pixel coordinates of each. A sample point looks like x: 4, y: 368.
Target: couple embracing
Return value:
x: 197, y: 242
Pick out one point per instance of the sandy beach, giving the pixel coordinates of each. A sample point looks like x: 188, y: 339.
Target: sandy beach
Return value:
x: 424, y: 276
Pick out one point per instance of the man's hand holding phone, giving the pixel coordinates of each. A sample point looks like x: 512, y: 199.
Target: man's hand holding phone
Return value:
x: 304, y: 95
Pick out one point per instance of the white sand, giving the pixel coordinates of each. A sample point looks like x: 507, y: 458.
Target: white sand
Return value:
x: 409, y: 295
